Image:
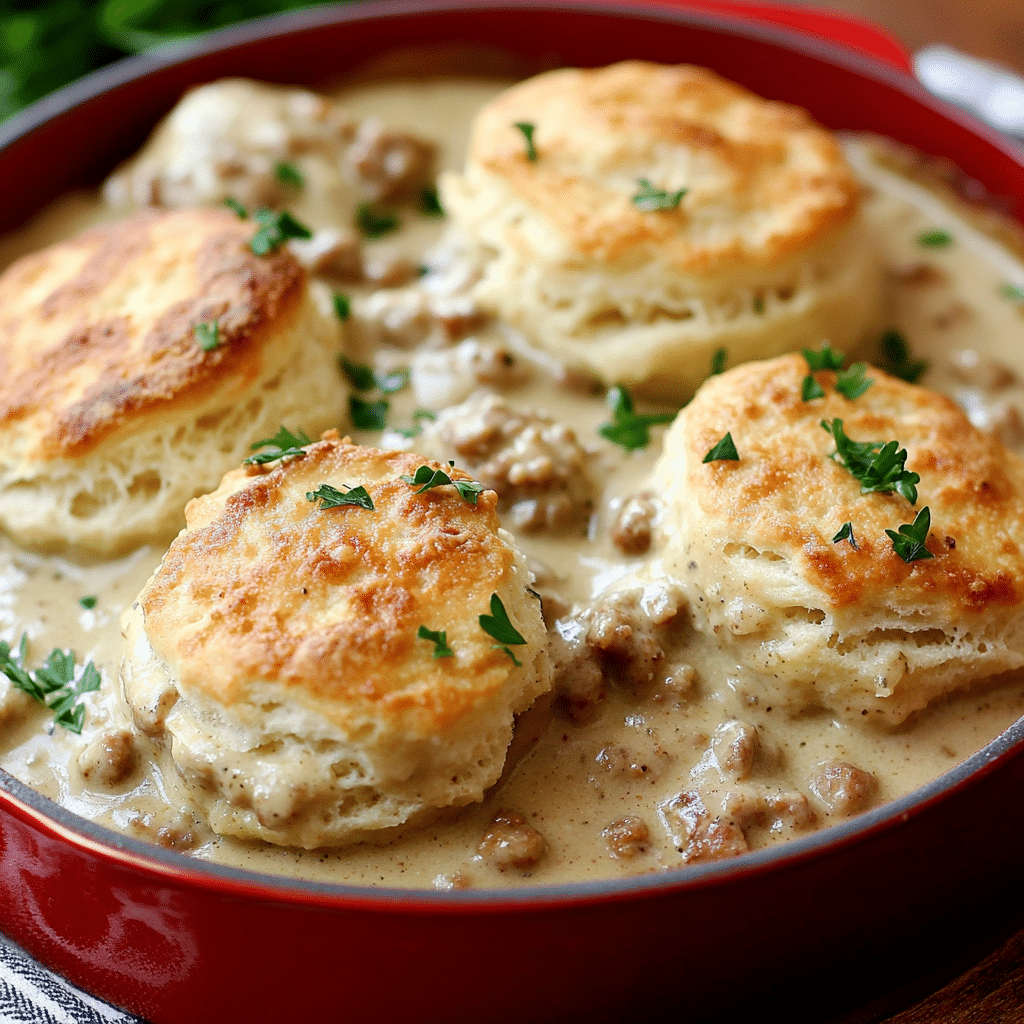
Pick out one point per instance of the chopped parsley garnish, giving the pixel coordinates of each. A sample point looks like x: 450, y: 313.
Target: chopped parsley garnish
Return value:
x: 234, y: 204
x: 331, y: 497
x: 851, y: 382
x: 88, y: 602
x: 283, y: 445
x: 718, y: 362
x: 810, y: 389
x: 274, y: 230
x: 909, y: 542
x: 897, y: 360
x: 878, y: 465
x: 528, y: 129
x: 374, y: 221
x: 430, y: 204
x: 439, y: 638
x: 846, y: 533
x: 826, y: 358
x: 368, y: 415
x: 53, y: 684
x: 498, y: 626
x: 1013, y: 292
x: 629, y: 428
x: 208, y: 335
x: 360, y: 377
x: 289, y: 174
x: 937, y: 238
x: 725, y: 450
x: 648, y: 198
x: 468, y: 489
x: 758, y: 305
x: 342, y: 306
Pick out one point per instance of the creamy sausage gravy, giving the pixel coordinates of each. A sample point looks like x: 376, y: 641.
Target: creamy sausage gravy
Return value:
x: 603, y: 779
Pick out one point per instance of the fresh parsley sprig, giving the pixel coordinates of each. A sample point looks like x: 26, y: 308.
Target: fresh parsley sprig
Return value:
x: 719, y: 361
x: 468, y: 490
x: 937, y: 238
x: 53, y: 684
x: 909, y: 542
x: 810, y: 389
x: 342, y: 306
x: 528, y: 129
x: 723, y: 451
x: 628, y: 428
x: 275, y: 228
x: 332, y: 497
x: 417, y: 428
x: 430, y: 203
x: 852, y: 382
x: 878, y: 465
x: 237, y: 207
x: 648, y: 198
x: 897, y: 360
x: 374, y: 221
x: 363, y: 378
x: 208, y: 335
x: 368, y: 415
x: 497, y: 625
x: 846, y: 533
x: 439, y: 638
x: 283, y: 445
x: 289, y: 174
x: 826, y: 358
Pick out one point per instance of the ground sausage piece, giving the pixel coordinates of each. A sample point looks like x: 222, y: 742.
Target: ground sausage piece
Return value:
x: 735, y: 745
x: 394, y: 165
x: 632, y: 530
x: 624, y: 637
x: 534, y: 463
x: 511, y: 843
x: 626, y: 837
x: 110, y: 758
x: 705, y: 838
x: 845, y: 788
x: 578, y: 680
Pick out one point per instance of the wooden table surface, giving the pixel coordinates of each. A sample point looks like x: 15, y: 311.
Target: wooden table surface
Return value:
x: 991, y: 989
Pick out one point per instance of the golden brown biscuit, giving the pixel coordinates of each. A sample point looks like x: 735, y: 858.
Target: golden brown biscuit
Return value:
x: 818, y: 620
x: 277, y: 648
x: 755, y: 243
x: 112, y: 413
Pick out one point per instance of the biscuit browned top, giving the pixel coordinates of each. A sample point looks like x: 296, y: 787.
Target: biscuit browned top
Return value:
x: 762, y: 179
x: 100, y: 330
x: 264, y: 585
x: 786, y: 497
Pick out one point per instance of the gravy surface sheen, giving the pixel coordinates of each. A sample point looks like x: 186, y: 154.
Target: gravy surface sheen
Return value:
x: 570, y: 778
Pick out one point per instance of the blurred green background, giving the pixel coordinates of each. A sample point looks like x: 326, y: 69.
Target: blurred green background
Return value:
x: 46, y: 45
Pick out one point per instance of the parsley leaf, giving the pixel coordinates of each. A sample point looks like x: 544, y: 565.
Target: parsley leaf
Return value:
x: 909, y: 542
x: 725, y: 450
x: 1013, y: 292
x: 430, y: 204
x: 342, y: 306
x: 374, y: 221
x: 811, y: 389
x: 826, y: 358
x: 283, y: 445
x: 208, y: 335
x: 439, y: 638
x: 331, y: 497
x: 851, y: 382
x: 359, y: 376
x: 937, y: 238
x: 629, y: 428
x: 234, y: 204
x: 497, y: 625
x: 415, y: 430
x: 878, y: 465
x: 468, y: 489
x: 528, y: 129
x: 53, y: 684
x: 718, y: 362
x: 846, y: 533
x: 88, y: 602
x: 896, y: 358
x: 368, y: 415
x: 289, y: 174
x: 648, y: 198
x: 274, y: 230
